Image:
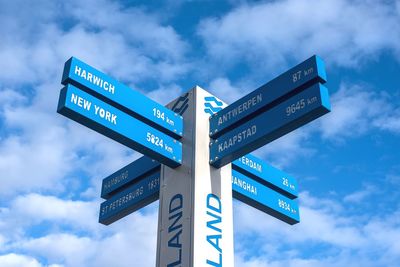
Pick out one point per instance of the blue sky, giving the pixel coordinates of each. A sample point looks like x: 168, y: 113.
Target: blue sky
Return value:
x: 347, y: 163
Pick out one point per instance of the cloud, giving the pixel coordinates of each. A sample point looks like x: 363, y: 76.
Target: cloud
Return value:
x: 113, y: 246
x: 268, y: 34
x: 15, y: 260
x: 133, y: 52
x: 224, y: 89
x: 358, y: 196
x: 62, y: 249
x: 37, y: 142
x: 79, y: 214
x: 284, y: 151
x: 328, y: 235
x: 166, y: 94
x: 356, y: 109
x: 390, y: 121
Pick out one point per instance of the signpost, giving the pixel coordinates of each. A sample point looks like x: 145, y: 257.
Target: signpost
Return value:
x: 111, y: 122
x: 265, y: 199
x: 119, y: 95
x: 265, y: 174
x: 270, y: 125
x: 129, y: 174
x: 248, y: 165
x: 269, y: 95
x: 193, y: 177
x: 131, y: 199
x: 139, y: 191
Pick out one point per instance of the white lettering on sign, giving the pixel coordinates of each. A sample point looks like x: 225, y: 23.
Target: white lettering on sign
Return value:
x: 237, y: 138
x: 248, y: 162
x: 240, y: 109
x: 175, y: 228
x: 81, y: 102
x: 90, y: 77
x: 126, y: 198
x: 105, y: 114
x: 243, y: 184
x: 214, y: 211
x: 116, y: 180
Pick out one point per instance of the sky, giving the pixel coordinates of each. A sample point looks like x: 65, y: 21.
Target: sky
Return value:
x: 347, y: 163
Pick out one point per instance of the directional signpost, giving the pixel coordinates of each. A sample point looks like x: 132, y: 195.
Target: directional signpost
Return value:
x: 196, y: 154
x: 270, y: 125
x: 115, y: 93
x: 119, y: 126
x: 269, y: 95
x: 141, y: 187
x: 273, y: 178
x: 263, y: 198
x: 127, y: 175
x: 131, y: 199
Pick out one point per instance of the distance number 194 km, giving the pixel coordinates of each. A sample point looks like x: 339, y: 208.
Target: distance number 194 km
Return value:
x: 158, y: 114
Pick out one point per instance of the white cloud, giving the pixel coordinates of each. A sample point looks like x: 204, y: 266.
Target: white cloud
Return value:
x: 353, y: 108
x: 15, y: 260
x: 61, y: 248
x: 38, y: 208
x: 132, y: 239
x: 283, y: 151
x: 358, y: 196
x: 224, y: 89
x: 390, y: 122
x: 38, y: 143
x: 356, y: 109
x: 335, y: 237
x: 132, y: 52
x: 267, y: 34
x: 166, y: 94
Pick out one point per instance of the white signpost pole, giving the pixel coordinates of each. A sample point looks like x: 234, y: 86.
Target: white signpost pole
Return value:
x: 195, y: 215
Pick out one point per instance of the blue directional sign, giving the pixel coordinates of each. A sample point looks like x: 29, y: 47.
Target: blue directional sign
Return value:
x: 143, y: 192
x: 265, y: 199
x: 119, y: 126
x: 129, y: 174
x: 267, y: 175
x: 269, y: 95
x: 270, y: 125
x: 131, y: 199
x: 252, y: 181
x: 249, y: 165
x: 124, y: 98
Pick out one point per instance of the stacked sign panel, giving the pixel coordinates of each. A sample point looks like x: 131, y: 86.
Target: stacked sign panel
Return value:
x: 267, y: 175
x: 270, y: 94
x: 284, y: 104
x: 253, y: 182
x: 124, y: 115
x: 121, y: 96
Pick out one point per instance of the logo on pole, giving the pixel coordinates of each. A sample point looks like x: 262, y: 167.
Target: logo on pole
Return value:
x: 212, y: 105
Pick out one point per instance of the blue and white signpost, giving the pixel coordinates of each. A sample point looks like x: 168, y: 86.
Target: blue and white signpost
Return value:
x: 195, y: 164
x: 113, y: 123
x: 117, y: 94
x: 259, y: 190
x: 270, y: 125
